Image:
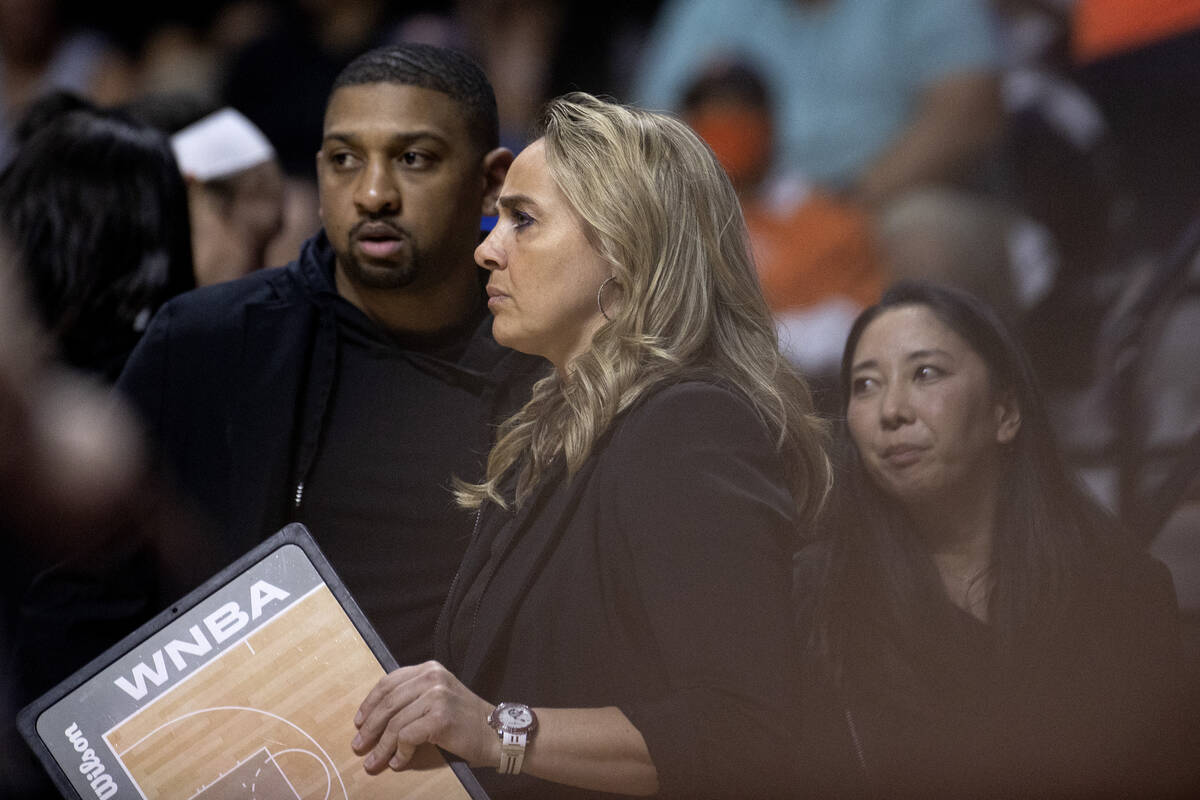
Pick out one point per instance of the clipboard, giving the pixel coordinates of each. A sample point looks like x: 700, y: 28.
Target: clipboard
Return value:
x: 245, y: 688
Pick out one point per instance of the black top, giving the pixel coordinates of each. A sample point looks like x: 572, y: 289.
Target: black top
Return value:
x: 656, y: 580
x: 1094, y: 714
x: 403, y: 418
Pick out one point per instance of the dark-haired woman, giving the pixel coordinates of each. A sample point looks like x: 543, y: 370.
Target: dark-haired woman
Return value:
x: 96, y: 207
x: 976, y: 626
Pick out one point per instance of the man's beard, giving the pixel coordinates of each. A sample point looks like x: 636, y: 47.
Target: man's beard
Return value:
x: 389, y: 274
x: 394, y: 276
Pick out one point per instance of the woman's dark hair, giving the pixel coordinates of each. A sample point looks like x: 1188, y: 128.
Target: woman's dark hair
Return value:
x: 880, y: 580
x: 97, y: 208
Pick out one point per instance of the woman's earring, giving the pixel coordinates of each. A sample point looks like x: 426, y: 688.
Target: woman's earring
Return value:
x: 600, y: 297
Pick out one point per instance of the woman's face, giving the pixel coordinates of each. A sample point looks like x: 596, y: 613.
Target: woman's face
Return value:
x: 545, y: 273
x: 922, y: 410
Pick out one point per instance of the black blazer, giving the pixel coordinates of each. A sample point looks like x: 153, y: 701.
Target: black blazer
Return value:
x: 1099, y: 712
x: 656, y: 579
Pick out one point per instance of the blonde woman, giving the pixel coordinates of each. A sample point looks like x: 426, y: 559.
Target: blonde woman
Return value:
x: 626, y: 591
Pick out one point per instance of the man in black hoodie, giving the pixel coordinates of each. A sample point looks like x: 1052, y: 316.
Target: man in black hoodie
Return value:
x: 348, y: 389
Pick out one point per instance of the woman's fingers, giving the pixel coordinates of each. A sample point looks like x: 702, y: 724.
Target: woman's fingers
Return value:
x: 383, y: 687
x: 415, y: 705
x: 394, y: 697
x: 390, y: 752
x: 399, y: 743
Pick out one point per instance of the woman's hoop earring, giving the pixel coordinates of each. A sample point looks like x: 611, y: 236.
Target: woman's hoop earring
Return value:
x: 599, y: 297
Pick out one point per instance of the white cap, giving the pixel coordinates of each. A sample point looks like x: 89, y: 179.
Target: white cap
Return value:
x: 219, y: 145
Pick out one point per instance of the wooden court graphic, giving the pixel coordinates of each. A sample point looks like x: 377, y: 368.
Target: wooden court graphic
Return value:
x: 271, y: 718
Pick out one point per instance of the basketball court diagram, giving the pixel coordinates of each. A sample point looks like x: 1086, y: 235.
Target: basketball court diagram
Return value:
x: 266, y: 716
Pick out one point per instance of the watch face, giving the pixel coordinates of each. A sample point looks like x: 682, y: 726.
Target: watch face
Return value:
x: 516, y: 717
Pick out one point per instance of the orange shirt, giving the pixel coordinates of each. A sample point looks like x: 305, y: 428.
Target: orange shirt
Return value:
x: 814, y: 251
x: 1102, y: 28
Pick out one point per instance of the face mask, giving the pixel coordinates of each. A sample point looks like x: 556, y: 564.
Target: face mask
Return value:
x: 740, y: 138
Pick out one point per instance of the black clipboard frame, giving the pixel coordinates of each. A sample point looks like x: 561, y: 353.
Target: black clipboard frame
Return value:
x: 292, y: 534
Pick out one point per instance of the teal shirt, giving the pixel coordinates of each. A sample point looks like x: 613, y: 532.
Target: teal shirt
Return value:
x: 845, y: 74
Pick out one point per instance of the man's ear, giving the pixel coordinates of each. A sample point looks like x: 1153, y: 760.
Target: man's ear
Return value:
x: 1008, y: 418
x: 495, y: 167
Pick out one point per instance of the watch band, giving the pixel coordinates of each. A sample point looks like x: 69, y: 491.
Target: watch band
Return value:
x: 512, y: 752
x: 515, y: 724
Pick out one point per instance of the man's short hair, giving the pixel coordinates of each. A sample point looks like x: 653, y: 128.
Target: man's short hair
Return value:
x: 450, y: 72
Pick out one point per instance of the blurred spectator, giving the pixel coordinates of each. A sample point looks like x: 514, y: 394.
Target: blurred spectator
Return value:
x: 1141, y: 63
x: 1058, y: 167
x: 858, y: 82
x: 187, y: 47
x: 1057, y: 148
x: 537, y: 49
x: 516, y: 42
x: 280, y: 81
x: 815, y: 254
x: 40, y: 50
x: 234, y: 182
x: 97, y: 206
x: 69, y: 469
x: 890, y: 104
x: 75, y: 493
x: 1102, y: 98
x: 235, y: 194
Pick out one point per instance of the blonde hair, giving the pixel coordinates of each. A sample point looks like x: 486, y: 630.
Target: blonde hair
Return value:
x: 658, y: 207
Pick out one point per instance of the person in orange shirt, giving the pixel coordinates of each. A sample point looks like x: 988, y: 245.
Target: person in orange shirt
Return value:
x: 810, y: 246
x: 816, y: 255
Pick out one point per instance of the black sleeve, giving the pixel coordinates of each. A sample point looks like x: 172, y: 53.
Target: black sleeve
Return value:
x: 704, y: 506
x: 143, y: 380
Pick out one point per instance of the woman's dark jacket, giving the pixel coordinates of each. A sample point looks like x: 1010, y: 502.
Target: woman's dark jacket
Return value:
x: 656, y: 579
x: 1095, y: 713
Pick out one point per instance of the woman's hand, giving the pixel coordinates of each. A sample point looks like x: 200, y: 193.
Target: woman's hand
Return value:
x: 419, y: 704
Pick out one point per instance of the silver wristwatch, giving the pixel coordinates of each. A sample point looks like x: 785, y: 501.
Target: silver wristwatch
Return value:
x: 515, y: 723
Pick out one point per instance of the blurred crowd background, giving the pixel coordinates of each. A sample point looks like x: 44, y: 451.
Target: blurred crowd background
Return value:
x: 1042, y: 153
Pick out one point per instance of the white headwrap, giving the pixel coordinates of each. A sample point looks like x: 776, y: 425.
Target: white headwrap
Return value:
x: 219, y: 145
